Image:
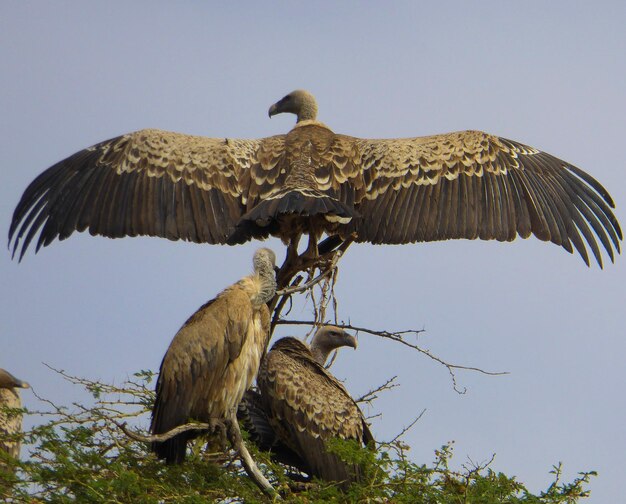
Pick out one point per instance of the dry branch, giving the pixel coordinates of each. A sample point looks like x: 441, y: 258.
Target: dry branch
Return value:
x: 398, y: 336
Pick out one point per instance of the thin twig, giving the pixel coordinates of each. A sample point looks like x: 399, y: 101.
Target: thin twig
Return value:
x: 370, y: 396
x: 398, y: 336
x: 406, y: 429
x: 327, y: 271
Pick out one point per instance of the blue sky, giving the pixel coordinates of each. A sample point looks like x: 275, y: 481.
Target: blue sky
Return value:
x: 548, y: 74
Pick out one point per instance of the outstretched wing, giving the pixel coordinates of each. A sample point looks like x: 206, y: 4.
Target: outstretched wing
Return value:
x: 149, y: 182
x: 474, y: 185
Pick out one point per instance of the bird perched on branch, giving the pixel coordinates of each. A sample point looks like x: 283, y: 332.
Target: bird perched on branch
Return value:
x: 10, y: 421
x: 214, y: 358
x: 467, y: 184
x: 299, y: 406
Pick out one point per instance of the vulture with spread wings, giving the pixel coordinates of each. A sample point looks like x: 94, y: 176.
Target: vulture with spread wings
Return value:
x: 313, y: 181
x: 214, y: 358
x: 300, y: 406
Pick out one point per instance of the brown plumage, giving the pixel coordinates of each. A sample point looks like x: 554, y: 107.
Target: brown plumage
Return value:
x: 466, y: 184
x: 214, y: 357
x: 10, y: 422
x: 252, y: 413
x: 305, y: 406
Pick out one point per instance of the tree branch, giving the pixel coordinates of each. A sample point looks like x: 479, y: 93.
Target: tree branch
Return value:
x: 370, y: 396
x: 406, y: 429
x: 246, y: 459
x: 193, y: 426
x: 398, y: 336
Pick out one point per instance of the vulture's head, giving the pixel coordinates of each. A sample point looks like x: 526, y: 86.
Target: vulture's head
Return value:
x: 327, y: 339
x: 299, y: 102
x: 8, y: 381
x: 264, y: 262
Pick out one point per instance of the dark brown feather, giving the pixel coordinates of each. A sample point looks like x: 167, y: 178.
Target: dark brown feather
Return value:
x: 306, y: 406
x: 457, y: 185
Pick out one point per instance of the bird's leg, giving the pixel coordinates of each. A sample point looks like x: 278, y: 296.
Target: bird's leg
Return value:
x: 290, y: 267
x: 324, y: 256
x: 292, y: 249
x: 311, y: 250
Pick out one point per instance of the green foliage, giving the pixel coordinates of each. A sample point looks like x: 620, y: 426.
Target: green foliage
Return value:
x: 83, y: 456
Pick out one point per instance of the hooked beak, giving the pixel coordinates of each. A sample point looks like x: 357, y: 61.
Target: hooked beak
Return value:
x: 273, y: 110
x: 351, y: 341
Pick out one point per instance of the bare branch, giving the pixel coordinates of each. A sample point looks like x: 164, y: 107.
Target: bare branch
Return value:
x: 193, y: 426
x: 398, y: 336
x: 246, y: 459
x: 370, y: 396
x: 406, y: 429
x: 301, y: 288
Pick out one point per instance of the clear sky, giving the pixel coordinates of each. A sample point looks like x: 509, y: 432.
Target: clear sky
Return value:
x: 548, y: 74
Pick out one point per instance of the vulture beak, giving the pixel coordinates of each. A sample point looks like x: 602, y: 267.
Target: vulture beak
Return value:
x: 273, y: 110
x: 351, y: 341
x: 23, y: 384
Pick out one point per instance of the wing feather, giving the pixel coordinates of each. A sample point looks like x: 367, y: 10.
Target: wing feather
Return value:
x: 457, y: 185
x: 191, y: 380
x: 306, y: 406
x: 472, y: 184
x: 141, y: 183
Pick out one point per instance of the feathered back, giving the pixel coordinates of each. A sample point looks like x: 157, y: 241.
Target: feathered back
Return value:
x: 214, y: 358
x: 306, y: 406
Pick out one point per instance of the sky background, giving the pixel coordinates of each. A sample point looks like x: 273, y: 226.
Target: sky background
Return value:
x: 548, y: 74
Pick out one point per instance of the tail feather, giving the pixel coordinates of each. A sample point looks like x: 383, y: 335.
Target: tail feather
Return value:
x: 262, y: 220
x: 172, y: 450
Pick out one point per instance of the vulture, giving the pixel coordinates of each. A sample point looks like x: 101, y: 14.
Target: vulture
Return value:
x: 300, y: 405
x: 10, y: 423
x: 253, y: 416
x: 313, y: 181
x: 214, y: 358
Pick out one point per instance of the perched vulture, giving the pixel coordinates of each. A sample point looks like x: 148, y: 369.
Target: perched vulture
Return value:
x: 214, y: 358
x: 466, y: 184
x: 10, y: 423
x: 254, y: 417
x: 305, y: 406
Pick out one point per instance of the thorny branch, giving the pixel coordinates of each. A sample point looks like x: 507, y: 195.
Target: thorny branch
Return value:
x: 372, y: 395
x: 399, y: 336
x: 104, y: 420
x: 326, y: 264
